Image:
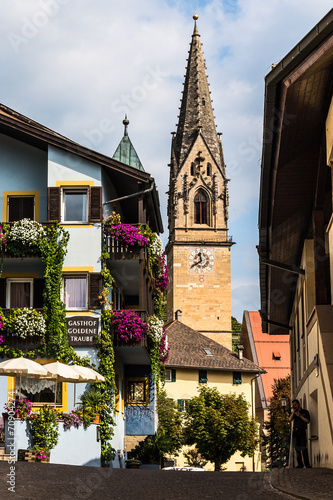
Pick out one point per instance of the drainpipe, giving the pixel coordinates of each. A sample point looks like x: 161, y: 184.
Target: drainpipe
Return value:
x: 138, y: 193
x: 253, y: 412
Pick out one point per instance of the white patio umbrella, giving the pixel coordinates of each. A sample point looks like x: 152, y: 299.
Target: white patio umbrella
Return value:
x: 61, y: 372
x: 87, y: 375
x: 23, y: 366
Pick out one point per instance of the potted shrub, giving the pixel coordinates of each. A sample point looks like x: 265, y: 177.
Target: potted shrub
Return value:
x: 92, y: 403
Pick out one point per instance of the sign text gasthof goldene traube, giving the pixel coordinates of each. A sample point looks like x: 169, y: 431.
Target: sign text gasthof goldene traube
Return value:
x: 81, y: 330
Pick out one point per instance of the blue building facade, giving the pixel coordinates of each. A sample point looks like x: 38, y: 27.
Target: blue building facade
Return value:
x: 49, y: 179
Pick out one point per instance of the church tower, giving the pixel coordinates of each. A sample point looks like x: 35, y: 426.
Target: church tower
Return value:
x: 198, y: 250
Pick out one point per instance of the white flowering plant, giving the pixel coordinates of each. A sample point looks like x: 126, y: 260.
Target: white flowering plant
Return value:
x: 23, y: 237
x: 155, y: 245
x: 155, y: 328
x: 25, y: 322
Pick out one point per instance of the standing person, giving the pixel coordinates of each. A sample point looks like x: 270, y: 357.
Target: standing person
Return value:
x: 301, y: 418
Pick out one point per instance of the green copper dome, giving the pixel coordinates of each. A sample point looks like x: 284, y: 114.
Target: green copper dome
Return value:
x: 125, y: 152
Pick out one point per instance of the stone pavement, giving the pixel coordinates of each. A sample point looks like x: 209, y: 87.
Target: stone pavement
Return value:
x: 36, y: 481
x: 307, y: 484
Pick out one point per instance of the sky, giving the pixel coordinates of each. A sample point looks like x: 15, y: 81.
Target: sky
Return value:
x: 77, y: 66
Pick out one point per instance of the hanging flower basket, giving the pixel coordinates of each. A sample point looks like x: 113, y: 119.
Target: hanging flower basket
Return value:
x: 127, y: 326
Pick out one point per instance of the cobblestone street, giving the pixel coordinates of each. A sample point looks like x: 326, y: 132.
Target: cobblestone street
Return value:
x: 35, y: 481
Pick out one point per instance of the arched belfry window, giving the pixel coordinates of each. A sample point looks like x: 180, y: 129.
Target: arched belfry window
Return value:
x: 201, y: 207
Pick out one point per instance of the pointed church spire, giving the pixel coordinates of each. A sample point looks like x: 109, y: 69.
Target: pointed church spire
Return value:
x: 196, y: 111
x: 125, y: 151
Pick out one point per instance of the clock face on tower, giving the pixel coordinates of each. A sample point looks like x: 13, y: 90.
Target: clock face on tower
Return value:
x: 201, y: 260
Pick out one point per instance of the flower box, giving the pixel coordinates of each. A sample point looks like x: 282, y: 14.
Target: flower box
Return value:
x: 31, y: 456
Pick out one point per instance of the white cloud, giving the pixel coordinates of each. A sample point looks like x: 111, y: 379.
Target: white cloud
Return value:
x: 86, y: 61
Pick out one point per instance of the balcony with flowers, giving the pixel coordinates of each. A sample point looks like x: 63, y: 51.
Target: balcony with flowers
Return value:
x: 23, y: 239
x: 134, y: 255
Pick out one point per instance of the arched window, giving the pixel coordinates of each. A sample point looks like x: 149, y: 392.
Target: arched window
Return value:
x: 209, y: 169
x: 201, y: 208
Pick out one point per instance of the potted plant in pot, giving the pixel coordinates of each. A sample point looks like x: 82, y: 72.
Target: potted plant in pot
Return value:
x: 21, y: 407
x: 132, y: 463
x: 92, y: 403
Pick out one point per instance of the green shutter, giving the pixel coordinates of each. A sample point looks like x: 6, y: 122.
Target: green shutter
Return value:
x: 237, y: 378
x: 173, y: 375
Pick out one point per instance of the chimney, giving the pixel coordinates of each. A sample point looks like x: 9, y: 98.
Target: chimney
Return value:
x: 240, y: 348
x: 178, y: 315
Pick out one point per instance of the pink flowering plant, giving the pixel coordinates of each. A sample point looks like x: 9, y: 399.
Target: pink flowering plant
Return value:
x: 129, y: 234
x: 2, y: 237
x: 164, y: 348
x: 2, y: 324
x: 41, y: 455
x: 22, y: 406
x: 162, y: 273
x: 71, y: 419
x: 127, y: 326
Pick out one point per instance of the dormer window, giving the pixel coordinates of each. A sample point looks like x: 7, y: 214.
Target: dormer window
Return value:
x: 276, y: 356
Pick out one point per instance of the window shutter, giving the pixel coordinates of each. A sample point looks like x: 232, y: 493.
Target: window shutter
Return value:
x: 53, y: 203
x: 180, y: 404
x: 3, y: 292
x: 236, y: 378
x: 173, y: 375
x: 95, y: 204
x: 95, y: 289
x: 38, y: 293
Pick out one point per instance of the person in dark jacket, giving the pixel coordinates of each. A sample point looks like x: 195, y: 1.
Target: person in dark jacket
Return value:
x: 301, y: 418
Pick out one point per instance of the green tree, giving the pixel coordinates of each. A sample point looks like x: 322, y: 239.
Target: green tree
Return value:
x: 277, y: 427
x: 168, y: 439
x: 236, y: 328
x: 219, y: 425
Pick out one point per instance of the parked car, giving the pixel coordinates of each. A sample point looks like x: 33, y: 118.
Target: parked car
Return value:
x: 185, y: 469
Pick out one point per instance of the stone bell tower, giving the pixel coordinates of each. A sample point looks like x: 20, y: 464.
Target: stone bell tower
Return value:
x: 198, y: 250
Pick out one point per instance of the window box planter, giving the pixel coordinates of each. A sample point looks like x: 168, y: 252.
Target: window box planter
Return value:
x: 31, y: 456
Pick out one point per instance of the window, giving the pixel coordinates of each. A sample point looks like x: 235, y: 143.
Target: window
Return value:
x: 75, y: 292
x: 236, y: 378
x: 182, y: 404
x: 137, y: 391
x: 203, y: 377
x: 192, y: 169
x: 19, y: 292
x: 208, y: 352
x: 170, y: 375
x: 75, y: 205
x: 201, y: 208
x: 209, y: 169
x: 277, y: 356
x: 20, y: 207
x: 39, y: 391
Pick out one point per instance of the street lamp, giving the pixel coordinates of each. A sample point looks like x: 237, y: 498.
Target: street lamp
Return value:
x: 284, y: 402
